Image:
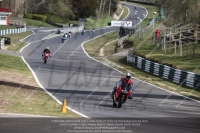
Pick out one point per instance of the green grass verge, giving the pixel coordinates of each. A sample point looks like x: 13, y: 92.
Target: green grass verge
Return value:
x: 16, y: 98
x: 30, y: 101
x: 145, y: 47
x: 110, y: 48
x: 119, y: 9
x: 93, y: 47
x: 17, y: 45
x: 13, y: 63
x: 31, y: 22
x: 96, y: 23
x: 4, y: 27
x: 124, y: 14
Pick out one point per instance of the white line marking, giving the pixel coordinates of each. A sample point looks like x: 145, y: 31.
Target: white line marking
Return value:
x: 38, y: 82
x: 22, y: 40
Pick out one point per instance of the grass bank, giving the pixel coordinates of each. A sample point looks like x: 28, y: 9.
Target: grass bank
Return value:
x: 16, y: 44
x: 31, y: 22
x: 124, y: 14
x: 13, y: 63
x: 30, y: 100
x: 19, y: 93
x: 4, y: 27
x: 93, y: 48
x: 145, y: 47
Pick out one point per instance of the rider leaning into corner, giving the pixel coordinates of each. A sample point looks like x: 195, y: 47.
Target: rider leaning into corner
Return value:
x: 122, y: 82
x: 46, y: 50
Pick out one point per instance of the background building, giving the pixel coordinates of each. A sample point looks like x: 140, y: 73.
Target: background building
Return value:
x: 12, y: 5
x: 4, y: 14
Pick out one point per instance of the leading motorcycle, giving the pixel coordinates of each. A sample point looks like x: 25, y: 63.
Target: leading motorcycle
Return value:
x: 46, y: 57
x: 120, y: 95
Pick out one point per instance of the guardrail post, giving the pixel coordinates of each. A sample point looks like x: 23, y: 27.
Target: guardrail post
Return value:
x: 175, y: 48
x: 180, y: 44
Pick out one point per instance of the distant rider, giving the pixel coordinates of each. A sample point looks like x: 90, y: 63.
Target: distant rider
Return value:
x: 83, y: 31
x: 46, y: 51
x: 64, y: 37
x: 69, y: 34
x: 93, y: 31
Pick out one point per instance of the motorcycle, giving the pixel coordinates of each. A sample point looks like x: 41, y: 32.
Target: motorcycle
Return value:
x: 63, y: 38
x: 83, y: 31
x: 46, y: 57
x: 69, y: 35
x: 120, y: 95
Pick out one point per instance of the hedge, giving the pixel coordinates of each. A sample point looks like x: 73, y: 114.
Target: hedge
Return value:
x: 56, y: 18
x: 36, y: 17
x: 29, y: 16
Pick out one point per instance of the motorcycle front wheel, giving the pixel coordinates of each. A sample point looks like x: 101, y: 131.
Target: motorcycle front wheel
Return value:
x: 45, y: 60
x: 120, y: 101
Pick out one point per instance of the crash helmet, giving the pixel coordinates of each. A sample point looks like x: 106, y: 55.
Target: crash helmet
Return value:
x: 128, y: 76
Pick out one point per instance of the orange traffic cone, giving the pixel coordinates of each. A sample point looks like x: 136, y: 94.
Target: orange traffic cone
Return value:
x: 64, y: 110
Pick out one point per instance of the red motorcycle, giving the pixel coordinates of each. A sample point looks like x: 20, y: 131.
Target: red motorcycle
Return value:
x: 69, y: 34
x: 120, y: 95
x: 46, y: 57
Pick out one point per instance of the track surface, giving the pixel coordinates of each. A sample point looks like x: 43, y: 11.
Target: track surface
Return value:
x: 86, y: 84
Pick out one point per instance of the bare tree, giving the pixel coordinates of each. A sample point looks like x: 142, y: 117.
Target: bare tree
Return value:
x: 109, y: 8
x: 105, y: 1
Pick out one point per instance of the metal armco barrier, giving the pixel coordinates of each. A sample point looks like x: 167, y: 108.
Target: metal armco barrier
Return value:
x: 12, y: 31
x: 183, y: 78
x: 2, y: 42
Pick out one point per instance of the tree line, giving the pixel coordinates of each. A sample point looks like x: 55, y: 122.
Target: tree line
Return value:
x: 71, y: 9
x: 178, y: 11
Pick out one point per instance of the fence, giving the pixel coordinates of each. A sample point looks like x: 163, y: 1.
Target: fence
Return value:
x: 2, y: 43
x: 183, y: 78
x: 12, y: 31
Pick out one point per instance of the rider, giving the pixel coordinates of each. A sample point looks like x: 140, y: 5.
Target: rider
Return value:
x: 64, y: 36
x: 70, y: 33
x: 46, y: 50
x: 123, y: 82
x: 83, y: 31
x: 93, y: 31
